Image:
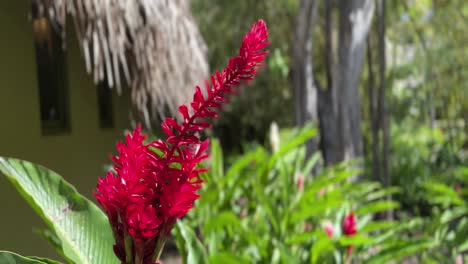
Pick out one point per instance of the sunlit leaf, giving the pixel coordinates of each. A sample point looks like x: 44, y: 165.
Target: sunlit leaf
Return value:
x: 82, y: 228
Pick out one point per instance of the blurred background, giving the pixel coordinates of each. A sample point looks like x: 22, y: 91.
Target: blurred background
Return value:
x: 381, y: 84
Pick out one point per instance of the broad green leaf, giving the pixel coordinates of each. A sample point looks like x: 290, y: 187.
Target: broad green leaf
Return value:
x: 52, y: 238
x: 82, y: 228
x: 13, y: 258
x: 196, y: 253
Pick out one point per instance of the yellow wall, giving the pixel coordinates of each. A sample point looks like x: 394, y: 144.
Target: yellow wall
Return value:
x: 79, y: 155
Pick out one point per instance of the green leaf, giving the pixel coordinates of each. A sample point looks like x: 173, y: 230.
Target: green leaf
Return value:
x: 82, y: 228
x: 196, y: 253
x: 227, y: 258
x: 52, y: 238
x: 302, y: 238
x: 322, y: 245
x: 439, y: 193
x: 221, y: 222
x: 45, y: 260
x: 304, y: 134
x: 234, y: 176
x: 356, y: 240
x: 383, y: 193
x: 311, y: 162
x: 13, y: 258
x: 375, y: 207
x: 217, y: 165
x: 378, y: 225
x: 399, y: 251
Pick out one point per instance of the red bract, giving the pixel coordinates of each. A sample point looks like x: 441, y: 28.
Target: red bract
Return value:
x: 349, y: 225
x: 154, y: 184
x: 349, y: 228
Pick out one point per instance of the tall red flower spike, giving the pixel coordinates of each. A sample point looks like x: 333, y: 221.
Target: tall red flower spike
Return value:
x: 154, y: 184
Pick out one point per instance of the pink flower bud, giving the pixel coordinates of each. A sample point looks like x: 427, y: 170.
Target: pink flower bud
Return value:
x: 300, y: 182
x: 328, y: 227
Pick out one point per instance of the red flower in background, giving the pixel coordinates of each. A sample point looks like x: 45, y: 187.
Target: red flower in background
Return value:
x: 349, y: 228
x: 349, y: 225
x: 328, y: 227
x: 148, y: 192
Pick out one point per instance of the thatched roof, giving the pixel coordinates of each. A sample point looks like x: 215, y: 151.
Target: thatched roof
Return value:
x: 154, y: 45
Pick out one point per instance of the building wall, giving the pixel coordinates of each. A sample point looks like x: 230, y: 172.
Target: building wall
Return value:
x: 79, y: 155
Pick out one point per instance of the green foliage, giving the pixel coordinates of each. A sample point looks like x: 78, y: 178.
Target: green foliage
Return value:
x: 448, y: 224
x: 420, y: 155
x: 258, y: 212
x: 79, y: 229
x: 192, y: 247
x: 13, y: 258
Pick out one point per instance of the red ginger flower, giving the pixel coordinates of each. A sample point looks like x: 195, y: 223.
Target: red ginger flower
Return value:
x: 349, y: 225
x: 148, y: 192
x: 349, y: 228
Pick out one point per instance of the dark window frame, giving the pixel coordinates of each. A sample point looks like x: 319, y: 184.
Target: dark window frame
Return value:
x: 105, y: 107
x: 51, y: 70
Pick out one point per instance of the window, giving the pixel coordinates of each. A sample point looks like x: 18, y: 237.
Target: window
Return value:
x: 105, y: 108
x: 51, y: 74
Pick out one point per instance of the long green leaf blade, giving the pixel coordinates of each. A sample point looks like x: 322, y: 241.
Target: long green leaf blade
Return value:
x: 196, y: 253
x: 13, y: 258
x: 82, y: 228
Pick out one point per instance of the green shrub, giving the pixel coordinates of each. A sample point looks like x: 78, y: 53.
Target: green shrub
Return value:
x: 256, y: 211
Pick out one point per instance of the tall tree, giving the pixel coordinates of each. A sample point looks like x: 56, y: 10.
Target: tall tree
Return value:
x: 339, y: 104
x: 384, y: 113
x: 305, y: 92
x: 355, y: 18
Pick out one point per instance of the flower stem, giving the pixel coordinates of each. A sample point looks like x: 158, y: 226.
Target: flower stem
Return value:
x: 139, y: 252
x: 159, y: 248
x: 128, y: 247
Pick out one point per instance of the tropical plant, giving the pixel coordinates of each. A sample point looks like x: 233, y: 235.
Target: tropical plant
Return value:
x: 267, y: 208
x: 151, y: 185
x: 448, y: 224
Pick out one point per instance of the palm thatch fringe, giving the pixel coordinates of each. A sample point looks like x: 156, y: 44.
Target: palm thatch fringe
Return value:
x: 154, y: 45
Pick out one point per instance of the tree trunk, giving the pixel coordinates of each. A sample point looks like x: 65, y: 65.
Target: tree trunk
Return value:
x: 374, y: 114
x: 339, y: 104
x: 305, y: 92
x: 354, y: 24
x: 385, y: 113
x: 330, y: 140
